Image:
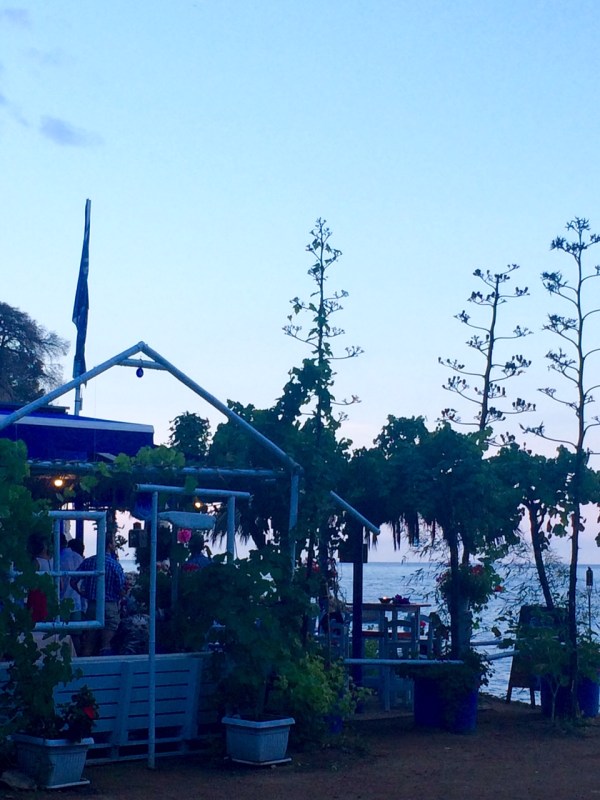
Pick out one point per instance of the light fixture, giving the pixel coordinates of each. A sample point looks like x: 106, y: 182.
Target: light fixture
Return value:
x: 139, y: 372
x: 198, y: 504
x: 58, y: 483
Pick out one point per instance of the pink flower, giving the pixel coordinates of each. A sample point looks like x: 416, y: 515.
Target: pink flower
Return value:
x: 184, y: 535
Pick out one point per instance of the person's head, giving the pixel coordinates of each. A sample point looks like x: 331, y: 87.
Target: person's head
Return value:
x: 37, y: 545
x: 111, y: 546
x: 76, y: 545
x: 196, y: 544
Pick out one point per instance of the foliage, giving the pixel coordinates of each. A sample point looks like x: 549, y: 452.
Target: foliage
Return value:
x: 588, y: 656
x: 315, y: 692
x: 250, y: 614
x: 73, y: 720
x: 486, y: 389
x: 113, y: 485
x: 266, y: 518
x: 541, y: 483
x: 190, y: 434
x: 80, y: 714
x: 302, y: 422
x: 28, y: 354
x: 544, y: 654
x: 309, y: 391
x: 27, y: 702
x: 401, y: 443
x: 476, y: 509
x: 476, y: 582
x: 573, y: 360
x: 314, y: 380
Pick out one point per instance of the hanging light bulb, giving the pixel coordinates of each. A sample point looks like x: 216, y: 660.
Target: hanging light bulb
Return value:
x: 139, y: 372
x: 58, y: 483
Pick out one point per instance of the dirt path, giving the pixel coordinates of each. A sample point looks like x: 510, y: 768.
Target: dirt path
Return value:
x: 514, y: 754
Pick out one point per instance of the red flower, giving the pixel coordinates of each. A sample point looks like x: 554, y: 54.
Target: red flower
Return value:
x: 89, y: 711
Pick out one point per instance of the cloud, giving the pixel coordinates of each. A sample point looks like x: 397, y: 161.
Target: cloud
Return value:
x: 12, y: 111
x: 16, y: 16
x: 47, y: 58
x: 66, y: 135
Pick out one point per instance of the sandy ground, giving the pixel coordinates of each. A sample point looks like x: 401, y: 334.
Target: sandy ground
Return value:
x: 515, y: 753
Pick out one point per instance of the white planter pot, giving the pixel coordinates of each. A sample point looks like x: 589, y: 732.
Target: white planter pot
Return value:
x: 52, y: 763
x: 251, y: 742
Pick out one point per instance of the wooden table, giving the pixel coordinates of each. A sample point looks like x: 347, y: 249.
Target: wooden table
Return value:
x: 397, y: 632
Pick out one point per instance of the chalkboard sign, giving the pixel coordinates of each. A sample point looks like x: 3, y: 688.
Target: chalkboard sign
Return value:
x: 533, y: 617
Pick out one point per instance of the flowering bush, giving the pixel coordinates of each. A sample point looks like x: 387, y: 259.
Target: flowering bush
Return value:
x: 77, y: 718
x: 476, y: 583
x: 184, y: 535
x: 37, y: 715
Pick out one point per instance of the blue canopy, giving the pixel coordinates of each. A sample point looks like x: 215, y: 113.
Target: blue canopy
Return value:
x: 51, y: 434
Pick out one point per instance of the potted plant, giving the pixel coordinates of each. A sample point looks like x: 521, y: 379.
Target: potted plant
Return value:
x: 250, y: 613
x: 446, y: 694
x: 51, y: 741
x: 53, y: 753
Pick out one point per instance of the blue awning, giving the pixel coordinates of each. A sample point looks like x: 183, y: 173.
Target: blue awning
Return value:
x: 55, y: 435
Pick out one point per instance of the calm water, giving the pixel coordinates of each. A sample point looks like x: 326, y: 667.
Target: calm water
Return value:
x: 417, y: 581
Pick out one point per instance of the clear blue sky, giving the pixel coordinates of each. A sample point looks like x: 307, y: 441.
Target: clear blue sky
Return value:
x: 434, y: 137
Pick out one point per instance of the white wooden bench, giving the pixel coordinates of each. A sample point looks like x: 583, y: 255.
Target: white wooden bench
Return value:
x: 184, y: 711
x: 120, y: 685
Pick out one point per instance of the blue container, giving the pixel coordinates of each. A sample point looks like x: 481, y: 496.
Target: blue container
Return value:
x: 334, y: 723
x: 427, y: 704
x: 461, y: 717
x: 588, y: 697
x: 562, y: 701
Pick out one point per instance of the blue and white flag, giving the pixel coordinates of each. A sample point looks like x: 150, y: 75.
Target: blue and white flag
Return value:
x: 80, y: 309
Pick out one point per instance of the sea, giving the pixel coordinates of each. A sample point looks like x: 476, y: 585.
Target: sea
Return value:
x: 417, y: 581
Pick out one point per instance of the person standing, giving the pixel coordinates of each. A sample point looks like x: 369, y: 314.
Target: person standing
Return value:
x: 200, y: 555
x: 37, y: 602
x: 69, y: 562
x: 87, y: 586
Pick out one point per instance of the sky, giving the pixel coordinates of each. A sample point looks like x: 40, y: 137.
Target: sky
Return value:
x: 435, y: 138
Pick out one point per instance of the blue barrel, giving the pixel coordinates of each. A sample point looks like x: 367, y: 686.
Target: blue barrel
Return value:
x: 588, y: 697
x: 461, y: 715
x: 427, y: 704
x: 560, y: 695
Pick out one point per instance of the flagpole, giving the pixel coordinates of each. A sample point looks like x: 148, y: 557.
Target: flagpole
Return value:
x: 80, y: 308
